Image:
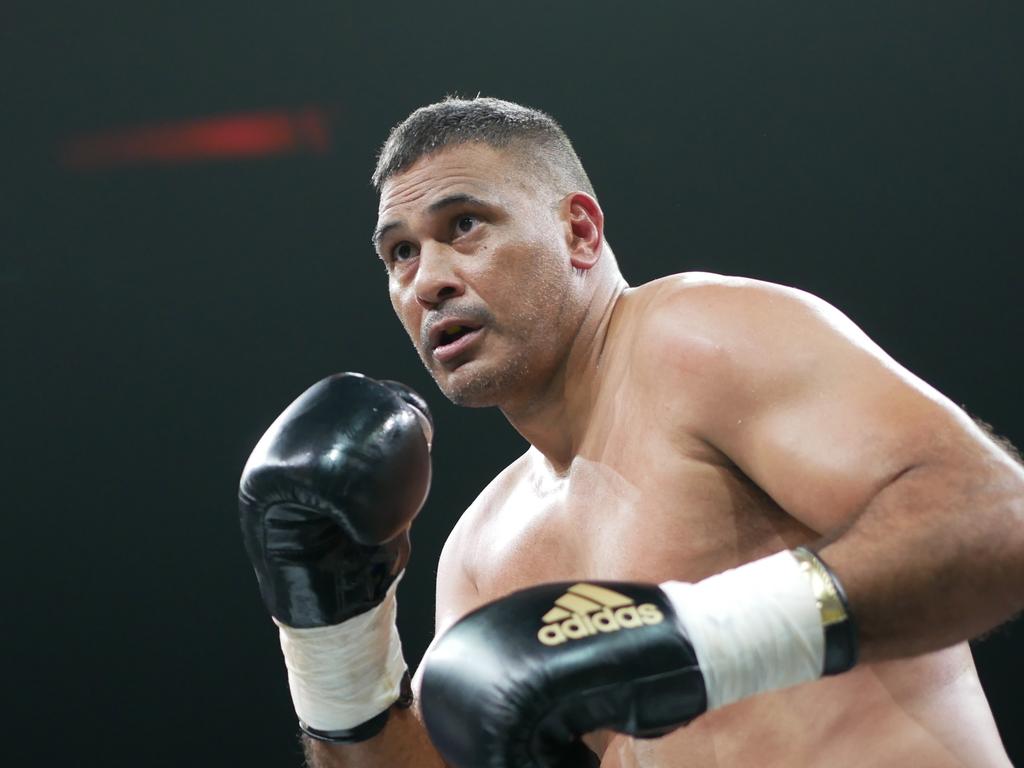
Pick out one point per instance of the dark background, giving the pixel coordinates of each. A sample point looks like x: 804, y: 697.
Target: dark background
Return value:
x: 156, y: 318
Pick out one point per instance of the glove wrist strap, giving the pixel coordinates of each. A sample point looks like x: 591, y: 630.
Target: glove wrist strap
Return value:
x: 769, y: 624
x: 363, y: 731
x: 345, y: 677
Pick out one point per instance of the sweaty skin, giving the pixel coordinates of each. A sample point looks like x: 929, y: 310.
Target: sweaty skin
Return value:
x: 688, y: 426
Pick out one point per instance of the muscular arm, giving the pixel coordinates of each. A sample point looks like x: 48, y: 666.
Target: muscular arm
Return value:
x: 922, y: 513
x: 945, y: 553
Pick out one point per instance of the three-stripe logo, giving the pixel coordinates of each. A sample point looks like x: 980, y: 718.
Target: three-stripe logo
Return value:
x: 587, y: 609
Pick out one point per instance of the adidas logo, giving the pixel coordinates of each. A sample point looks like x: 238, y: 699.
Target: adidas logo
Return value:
x: 586, y: 610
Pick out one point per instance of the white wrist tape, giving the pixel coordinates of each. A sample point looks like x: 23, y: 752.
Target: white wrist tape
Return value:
x: 343, y: 675
x: 754, y: 628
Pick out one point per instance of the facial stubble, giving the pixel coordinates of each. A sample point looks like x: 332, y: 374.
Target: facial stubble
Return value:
x: 539, y: 324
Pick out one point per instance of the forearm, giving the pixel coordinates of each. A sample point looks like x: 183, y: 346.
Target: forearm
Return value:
x: 403, y: 742
x: 937, y: 557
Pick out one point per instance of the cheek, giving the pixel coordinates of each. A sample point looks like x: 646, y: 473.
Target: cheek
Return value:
x: 406, y: 310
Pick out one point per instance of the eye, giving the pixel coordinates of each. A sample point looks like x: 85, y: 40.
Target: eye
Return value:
x: 464, y: 224
x: 403, y: 252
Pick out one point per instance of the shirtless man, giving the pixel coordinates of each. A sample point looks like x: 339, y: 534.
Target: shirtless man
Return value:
x: 678, y: 429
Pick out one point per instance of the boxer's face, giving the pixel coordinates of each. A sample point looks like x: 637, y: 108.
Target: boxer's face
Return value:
x: 479, y: 272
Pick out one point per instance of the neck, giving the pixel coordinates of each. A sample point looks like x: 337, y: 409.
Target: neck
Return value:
x: 555, y: 420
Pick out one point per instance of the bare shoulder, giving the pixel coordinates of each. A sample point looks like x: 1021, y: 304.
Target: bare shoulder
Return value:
x: 726, y: 310
x: 712, y: 330
x: 729, y: 352
x: 460, y: 550
x: 488, y: 501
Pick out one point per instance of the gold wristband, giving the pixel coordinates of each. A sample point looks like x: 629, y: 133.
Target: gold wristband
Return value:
x: 830, y: 605
x: 836, y: 619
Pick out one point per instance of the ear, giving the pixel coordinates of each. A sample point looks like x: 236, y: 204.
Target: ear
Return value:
x: 585, y: 232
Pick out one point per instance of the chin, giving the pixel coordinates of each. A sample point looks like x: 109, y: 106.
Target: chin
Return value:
x: 476, y: 386
x: 470, y: 399
x: 470, y: 392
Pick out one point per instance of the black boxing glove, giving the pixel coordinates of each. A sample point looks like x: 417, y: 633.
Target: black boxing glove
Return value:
x: 326, y: 500
x: 515, y: 683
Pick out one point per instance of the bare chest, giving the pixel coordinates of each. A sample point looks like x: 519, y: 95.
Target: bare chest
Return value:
x: 646, y: 514
x: 641, y: 512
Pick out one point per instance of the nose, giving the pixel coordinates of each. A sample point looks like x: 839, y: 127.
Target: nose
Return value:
x: 437, y: 278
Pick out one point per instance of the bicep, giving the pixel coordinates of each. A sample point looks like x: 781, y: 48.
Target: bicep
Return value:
x: 821, y: 418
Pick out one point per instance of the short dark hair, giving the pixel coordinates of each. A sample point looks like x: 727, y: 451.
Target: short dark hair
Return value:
x: 497, y: 123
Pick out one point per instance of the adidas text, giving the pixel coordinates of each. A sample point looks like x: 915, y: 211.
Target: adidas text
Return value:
x: 581, y: 625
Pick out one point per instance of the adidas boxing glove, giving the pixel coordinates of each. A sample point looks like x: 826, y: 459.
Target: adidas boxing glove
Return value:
x: 515, y: 683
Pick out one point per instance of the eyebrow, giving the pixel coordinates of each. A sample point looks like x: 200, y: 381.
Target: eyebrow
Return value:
x: 438, y: 205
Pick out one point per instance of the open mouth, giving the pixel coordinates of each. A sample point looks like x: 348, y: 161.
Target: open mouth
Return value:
x: 454, y: 339
x: 454, y: 333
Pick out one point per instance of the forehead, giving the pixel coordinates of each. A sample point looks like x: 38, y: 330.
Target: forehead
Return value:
x: 473, y: 168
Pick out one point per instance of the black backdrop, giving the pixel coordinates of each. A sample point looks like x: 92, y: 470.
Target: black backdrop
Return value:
x: 156, y: 319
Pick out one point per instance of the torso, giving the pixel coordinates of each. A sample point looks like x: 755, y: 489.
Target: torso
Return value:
x: 646, y: 500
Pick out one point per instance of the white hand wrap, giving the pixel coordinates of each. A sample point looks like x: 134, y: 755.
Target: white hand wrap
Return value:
x: 754, y: 628
x: 343, y: 675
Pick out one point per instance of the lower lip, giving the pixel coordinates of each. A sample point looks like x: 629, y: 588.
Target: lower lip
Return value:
x: 449, y: 351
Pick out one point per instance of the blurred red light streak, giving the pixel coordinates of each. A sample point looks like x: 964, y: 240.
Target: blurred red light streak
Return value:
x: 258, y: 134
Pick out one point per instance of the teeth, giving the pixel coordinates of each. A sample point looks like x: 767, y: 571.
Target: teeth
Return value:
x: 453, y: 330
